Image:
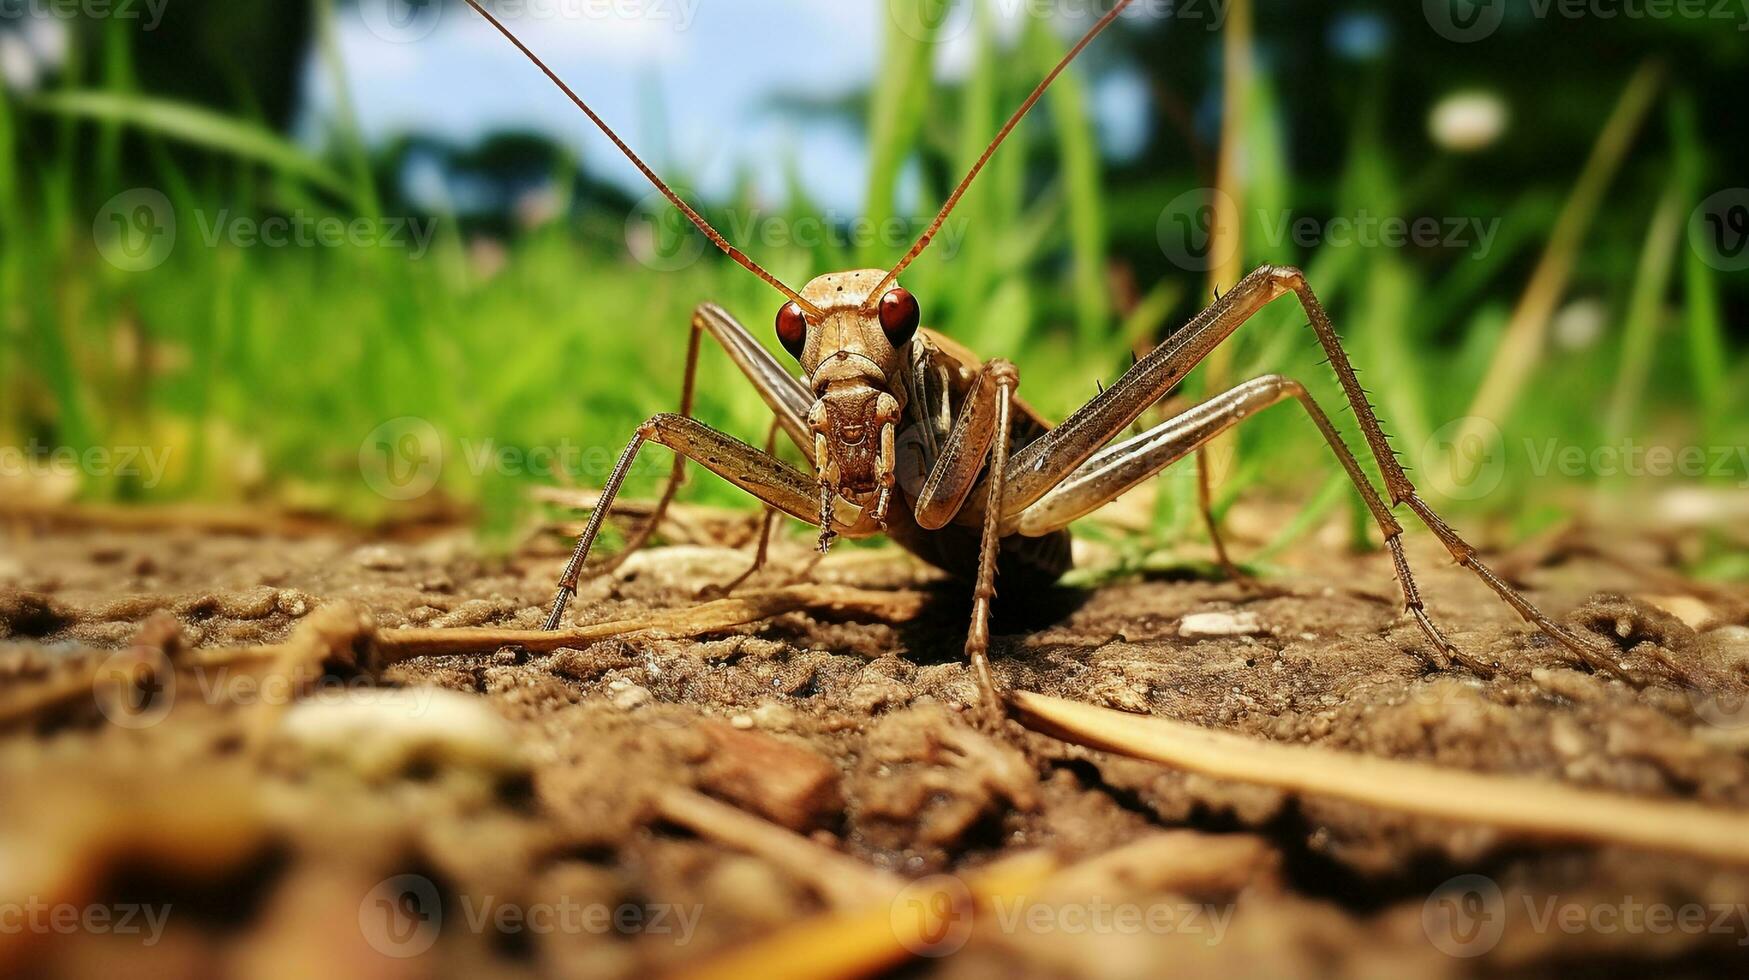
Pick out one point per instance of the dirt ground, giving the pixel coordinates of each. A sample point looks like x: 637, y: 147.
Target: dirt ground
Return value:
x: 644, y: 804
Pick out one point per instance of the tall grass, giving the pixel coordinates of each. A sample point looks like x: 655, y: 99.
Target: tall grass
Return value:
x: 264, y: 371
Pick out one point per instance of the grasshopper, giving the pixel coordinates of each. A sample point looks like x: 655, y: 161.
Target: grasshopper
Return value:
x: 913, y: 435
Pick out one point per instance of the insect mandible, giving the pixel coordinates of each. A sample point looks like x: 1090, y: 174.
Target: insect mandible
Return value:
x: 912, y: 435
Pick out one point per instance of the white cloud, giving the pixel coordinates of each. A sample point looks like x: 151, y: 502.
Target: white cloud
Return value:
x: 628, y: 32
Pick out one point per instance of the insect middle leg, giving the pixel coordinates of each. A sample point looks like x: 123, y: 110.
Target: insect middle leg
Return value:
x: 1205, y: 503
x: 765, y: 477
x: 1122, y: 466
x: 1049, y: 460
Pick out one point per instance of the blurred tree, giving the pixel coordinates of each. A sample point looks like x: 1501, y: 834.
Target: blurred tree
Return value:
x: 230, y: 54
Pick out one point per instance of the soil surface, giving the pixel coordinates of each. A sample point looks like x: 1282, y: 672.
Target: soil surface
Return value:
x: 507, y: 813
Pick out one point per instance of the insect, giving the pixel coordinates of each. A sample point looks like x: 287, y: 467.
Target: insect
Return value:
x: 913, y: 435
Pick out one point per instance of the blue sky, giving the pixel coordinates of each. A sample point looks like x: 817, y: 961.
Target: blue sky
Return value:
x: 712, y: 66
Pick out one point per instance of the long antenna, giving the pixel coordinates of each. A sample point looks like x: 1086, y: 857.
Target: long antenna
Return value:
x: 1007, y: 127
x: 686, y: 209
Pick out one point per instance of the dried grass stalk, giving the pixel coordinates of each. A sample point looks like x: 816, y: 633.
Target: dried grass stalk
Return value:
x: 1523, y: 806
x: 708, y: 617
x: 842, y: 880
x: 879, y: 937
x: 343, y: 632
x: 876, y: 936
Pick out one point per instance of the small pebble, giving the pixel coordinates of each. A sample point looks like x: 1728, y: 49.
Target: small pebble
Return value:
x: 380, y: 558
x: 774, y: 716
x: 1219, y: 624
x: 1686, y: 608
x: 784, y: 782
x: 383, y: 731
x: 627, y: 696
x: 1734, y: 639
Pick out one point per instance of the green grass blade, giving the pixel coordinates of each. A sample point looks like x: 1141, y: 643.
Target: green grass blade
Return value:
x: 896, y: 106
x: 1704, y: 322
x: 351, y: 139
x: 1078, y: 152
x: 201, y: 127
x: 1524, y: 343
x: 118, y: 76
x: 1267, y: 189
x: 979, y: 212
x: 1395, y: 376
x: 1645, y: 307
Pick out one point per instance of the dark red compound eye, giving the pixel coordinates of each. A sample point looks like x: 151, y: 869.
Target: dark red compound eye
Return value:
x: 792, y: 329
x: 899, y: 315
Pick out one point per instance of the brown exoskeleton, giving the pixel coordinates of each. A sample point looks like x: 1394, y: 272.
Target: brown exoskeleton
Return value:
x: 912, y: 435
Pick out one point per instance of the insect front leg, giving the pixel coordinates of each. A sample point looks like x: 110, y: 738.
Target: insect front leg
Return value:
x: 980, y: 432
x: 961, y: 457
x: 771, y: 480
x: 787, y: 398
x: 762, y: 550
x: 1049, y: 460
